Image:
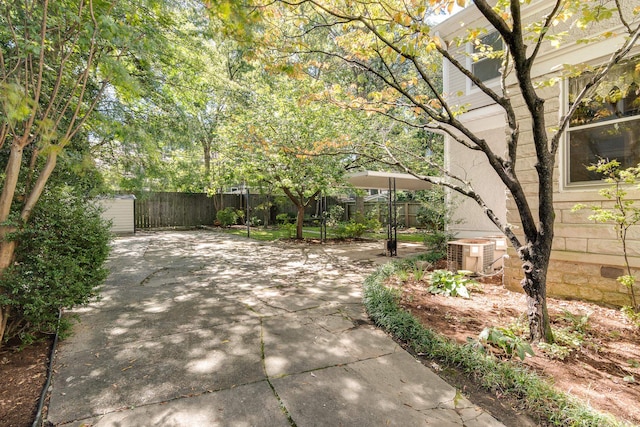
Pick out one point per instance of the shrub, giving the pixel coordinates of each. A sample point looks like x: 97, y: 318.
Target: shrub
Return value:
x: 240, y: 214
x: 291, y: 230
x: 59, y: 264
x: 623, y: 214
x: 349, y: 230
x: 372, y: 223
x: 505, y: 340
x: 335, y: 215
x: 227, y: 216
x: 282, y: 218
x: 446, y: 283
x: 435, y: 215
x: 436, y: 241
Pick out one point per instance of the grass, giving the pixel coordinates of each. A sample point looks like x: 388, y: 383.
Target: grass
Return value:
x: 263, y: 234
x: 537, y: 394
x: 269, y: 234
x: 417, y: 237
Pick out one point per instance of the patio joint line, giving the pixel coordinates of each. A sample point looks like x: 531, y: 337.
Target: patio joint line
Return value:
x: 292, y: 423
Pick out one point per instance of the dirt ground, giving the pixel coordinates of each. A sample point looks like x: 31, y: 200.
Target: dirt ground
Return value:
x: 22, y: 377
x: 604, y: 370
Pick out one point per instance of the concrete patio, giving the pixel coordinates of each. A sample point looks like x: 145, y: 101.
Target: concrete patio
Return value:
x: 200, y: 328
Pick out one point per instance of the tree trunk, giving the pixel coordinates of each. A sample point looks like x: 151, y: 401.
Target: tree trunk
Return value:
x: 299, y: 221
x: 12, y: 172
x: 7, y: 251
x: 206, y: 147
x: 7, y: 248
x: 4, y: 317
x: 359, y: 208
x: 535, y: 266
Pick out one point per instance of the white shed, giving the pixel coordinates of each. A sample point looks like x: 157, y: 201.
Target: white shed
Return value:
x: 120, y: 211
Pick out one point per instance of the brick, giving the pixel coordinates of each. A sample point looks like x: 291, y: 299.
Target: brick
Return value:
x: 555, y: 276
x: 604, y: 284
x: 615, y: 298
x: 562, y: 290
x: 613, y: 247
x: 559, y: 244
x: 591, y: 231
x: 566, y: 216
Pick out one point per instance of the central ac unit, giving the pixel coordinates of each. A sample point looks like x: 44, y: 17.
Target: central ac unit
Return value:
x: 470, y: 254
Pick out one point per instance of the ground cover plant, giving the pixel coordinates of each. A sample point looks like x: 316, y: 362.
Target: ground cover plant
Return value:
x: 590, y: 372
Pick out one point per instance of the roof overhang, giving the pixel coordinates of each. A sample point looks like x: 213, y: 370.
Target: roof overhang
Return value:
x: 378, y: 180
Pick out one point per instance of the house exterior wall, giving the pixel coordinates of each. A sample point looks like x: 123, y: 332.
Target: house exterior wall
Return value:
x: 484, y: 119
x: 469, y: 220
x: 119, y: 211
x: 586, y: 257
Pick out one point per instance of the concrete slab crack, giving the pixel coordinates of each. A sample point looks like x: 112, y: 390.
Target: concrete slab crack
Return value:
x: 292, y: 423
x: 152, y: 274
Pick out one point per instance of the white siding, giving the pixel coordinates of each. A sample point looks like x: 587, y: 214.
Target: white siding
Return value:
x: 487, y: 123
x: 119, y: 210
x: 458, y: 89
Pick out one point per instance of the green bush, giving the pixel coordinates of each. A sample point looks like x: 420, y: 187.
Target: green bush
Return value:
x: 436, y: 215
x: 356, y: 227
x: 283, y: 218
x: 291, y: 230
x: 59, y: 264
x: 227, y: 216
x: 449, y: 284
x: 240, y: 217
x: 373, y: 223
x: 350, y: 230
x: 335, y: 215
x: 505, y: 340
x: 437, y: 241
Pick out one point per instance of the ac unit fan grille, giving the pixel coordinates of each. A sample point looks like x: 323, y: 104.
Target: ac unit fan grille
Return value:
x: 487, y: 256
x: 458, y: 257
x: 454, y: 256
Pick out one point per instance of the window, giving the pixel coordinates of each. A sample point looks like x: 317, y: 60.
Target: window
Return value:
x: 487, y: 50
x: 606, y: 125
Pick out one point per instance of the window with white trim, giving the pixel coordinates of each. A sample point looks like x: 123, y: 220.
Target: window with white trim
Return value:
x: 606, y: 125
x: 486, y: 60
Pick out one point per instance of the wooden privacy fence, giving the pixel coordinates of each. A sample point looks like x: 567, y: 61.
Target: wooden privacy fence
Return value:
x: 157, y: 210
x: 154, y: 210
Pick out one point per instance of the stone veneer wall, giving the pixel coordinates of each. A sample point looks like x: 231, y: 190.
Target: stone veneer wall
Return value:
x: 575, y: 280
x: 587, y: 257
